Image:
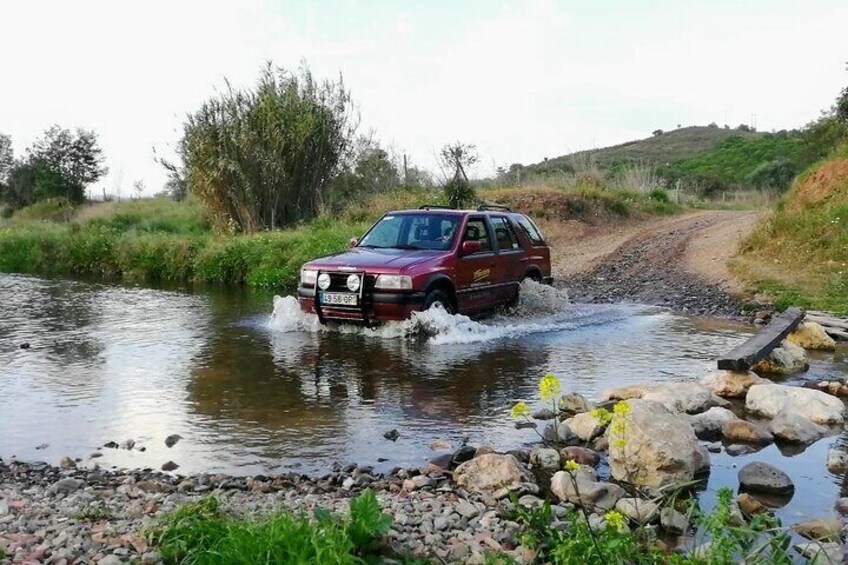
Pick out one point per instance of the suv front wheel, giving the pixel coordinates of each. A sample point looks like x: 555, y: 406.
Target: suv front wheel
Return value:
x: 437, y: 297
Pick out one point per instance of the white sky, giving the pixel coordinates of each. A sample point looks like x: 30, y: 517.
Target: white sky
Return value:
x: 521, y: 80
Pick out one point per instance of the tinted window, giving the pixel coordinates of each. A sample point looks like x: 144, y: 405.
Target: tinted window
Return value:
x: 505, y: 236
x: 413, y: 231
x: 530, y: 229
x: 475, y: 230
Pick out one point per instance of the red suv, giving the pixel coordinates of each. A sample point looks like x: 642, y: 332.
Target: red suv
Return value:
x: 464, y: 261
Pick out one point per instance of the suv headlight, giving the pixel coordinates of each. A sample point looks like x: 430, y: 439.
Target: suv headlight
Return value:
x: 393, y: 282
x: 353, y: 283
x: 308, y: 276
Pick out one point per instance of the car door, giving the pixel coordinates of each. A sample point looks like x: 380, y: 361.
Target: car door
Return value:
x: 510, y: 260
x: 475, y: 273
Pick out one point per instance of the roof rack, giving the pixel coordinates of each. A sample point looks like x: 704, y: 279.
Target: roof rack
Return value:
x: 487, y: 206
x: 434, y: 207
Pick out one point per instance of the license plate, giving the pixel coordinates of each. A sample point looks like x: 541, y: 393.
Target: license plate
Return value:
x: 339, y: 298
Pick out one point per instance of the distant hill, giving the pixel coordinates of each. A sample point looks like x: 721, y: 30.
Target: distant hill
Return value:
x: 667, y: 147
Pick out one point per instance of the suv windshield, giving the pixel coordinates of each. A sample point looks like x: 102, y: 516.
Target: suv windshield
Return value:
x: 425, y: 230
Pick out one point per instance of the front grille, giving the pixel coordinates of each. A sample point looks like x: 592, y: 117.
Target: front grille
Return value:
x: 338, y: 281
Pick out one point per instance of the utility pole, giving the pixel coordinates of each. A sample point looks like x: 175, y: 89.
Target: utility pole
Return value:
x: 405, y: 170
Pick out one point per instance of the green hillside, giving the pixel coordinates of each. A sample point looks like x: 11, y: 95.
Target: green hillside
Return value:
x: 665, y: 148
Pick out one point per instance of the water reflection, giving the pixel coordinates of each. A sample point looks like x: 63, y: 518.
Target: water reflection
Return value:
x: 113, y: 363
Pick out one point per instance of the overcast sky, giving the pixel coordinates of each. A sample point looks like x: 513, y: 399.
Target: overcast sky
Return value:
x: 521, y: 80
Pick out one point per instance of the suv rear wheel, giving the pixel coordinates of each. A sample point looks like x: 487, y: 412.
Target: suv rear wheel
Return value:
x: 438, y: 297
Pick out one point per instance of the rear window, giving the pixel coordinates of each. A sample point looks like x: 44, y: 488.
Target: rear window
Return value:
x: 530, y: 229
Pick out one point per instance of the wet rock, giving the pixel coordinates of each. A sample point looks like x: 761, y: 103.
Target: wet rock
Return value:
x: 172, y: 440
x: 574, y: 403
x: 525, y: 425
x: 749, y: 505
x: 673, y: 521
x: 736, y: 449
x: 741, y: 431
x: 581, y: 455
x: 24, y: 345
x: 170, y: 466
x: 786, y: 359
x: 841, y: 506
x: 764, y: 478
x: 821, y: 529
x: 440, y: 445
x: 111, y: 445
x: 392, y: 435
x: 544, y: 414
x: 463, y: 454
x: 731, y: 384
x: 95, y: 455
x: 491, y: 472
x: 128, y: 444
x: 690, y: 398
x: 582, y: 490
x: 837, y: 460
x: 483, y: 450
x: 442, y: 462
x: 626, y: 392
x: 110, y: 560
x: 834, y: 388
x: 821, y: 553
x: 545, y: 458
x: 67, y: 463
x: 811, y: 335
x: 660, y: 447
x: 558, y: 432
x: 707, y: 425
x: 772, y: 400
x: 638, y: 510
x: 522, y: 455
x: 585, y: 426
x: 794, y: 428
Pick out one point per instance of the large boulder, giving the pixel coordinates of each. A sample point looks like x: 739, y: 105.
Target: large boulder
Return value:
x: 772, y: 400
x: 652, y: 447
x: 811, y: 335
x: 581, y: 489
x: 731, y: 384
x: 794, y: 428
x: 707, y: 425
x: 581, y: 455
x: 585, y: 426
x: 545, y: 458
x: 689, y: 398
x: 741, y: 431
x: 491, y: 472
x: 786, y: 359
x: 764, y: 478
x: 626, y: 392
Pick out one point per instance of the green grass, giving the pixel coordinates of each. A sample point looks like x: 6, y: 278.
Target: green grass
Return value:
x: 202, y: 534
x: 161, y: 241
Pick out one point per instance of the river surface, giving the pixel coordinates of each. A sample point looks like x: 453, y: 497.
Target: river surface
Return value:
x: 254, y: 386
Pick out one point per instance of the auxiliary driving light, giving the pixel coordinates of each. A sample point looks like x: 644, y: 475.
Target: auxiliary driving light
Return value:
x: 353, y: 283
x: 323, y: 281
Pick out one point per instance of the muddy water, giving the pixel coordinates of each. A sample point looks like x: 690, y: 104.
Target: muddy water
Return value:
x: 254, y: 386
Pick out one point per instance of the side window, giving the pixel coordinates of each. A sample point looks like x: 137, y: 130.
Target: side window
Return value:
x: 530, y: 229
x: 475, y: 230
x: 504, y: 234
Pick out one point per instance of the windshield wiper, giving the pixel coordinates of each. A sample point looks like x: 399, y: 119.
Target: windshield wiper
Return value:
x: 408, y: 247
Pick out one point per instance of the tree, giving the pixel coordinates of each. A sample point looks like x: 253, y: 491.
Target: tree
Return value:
x: 455, y: 160
x: 774, y: 175
x: 266, y: 156
x: 7, y: 158
x: 657, y: 132
x: 65, y: 163
x: 369, y: 170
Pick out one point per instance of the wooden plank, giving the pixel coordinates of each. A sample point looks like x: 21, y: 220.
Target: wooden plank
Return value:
x: 760, y: 345
x: 837, y: 334
x: 829, y: 322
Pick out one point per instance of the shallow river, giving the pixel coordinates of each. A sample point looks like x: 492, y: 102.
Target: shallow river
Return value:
x: 253, y: 386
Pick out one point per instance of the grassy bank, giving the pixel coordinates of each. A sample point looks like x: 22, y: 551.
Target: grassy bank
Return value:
x: 161, y: 241
x: 799, y: 255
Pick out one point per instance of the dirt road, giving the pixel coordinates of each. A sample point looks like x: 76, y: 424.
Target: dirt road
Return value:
x: 678, y: 262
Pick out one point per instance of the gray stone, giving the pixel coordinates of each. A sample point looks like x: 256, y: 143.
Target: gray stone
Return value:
x: 585, y: 426
x: 574, y: 403
x: 773, y: 400
x: 151, y: 558
x: 544, y: 414
x: 821, y: 553
x: 580, y: 489
x: 795, y: 428
x: 545, y: 458
x: 67, y: 485
x: 707, y: 425
x: 466, y: 509
x: 690, y: 398
x: 673, y: 521
x: 764, y: 478
x: 837, y: 460
x: 638, y: 510
x: 491, y: 472
x: 110, y: 560
x: 558, y: 432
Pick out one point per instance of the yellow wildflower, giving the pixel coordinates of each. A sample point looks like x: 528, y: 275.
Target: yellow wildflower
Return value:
x: 520, y: 410
x: 602, y: 415
x: 621, y: 408
x: 616, y: 520
x: 572, y: 466
x: 549, y: 387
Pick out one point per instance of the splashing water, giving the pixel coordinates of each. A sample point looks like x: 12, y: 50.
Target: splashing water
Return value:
x: 540, y: 309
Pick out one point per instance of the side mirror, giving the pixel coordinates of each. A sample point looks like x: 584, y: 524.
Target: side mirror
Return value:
x: 354, y: 241
x: 471, y: 247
